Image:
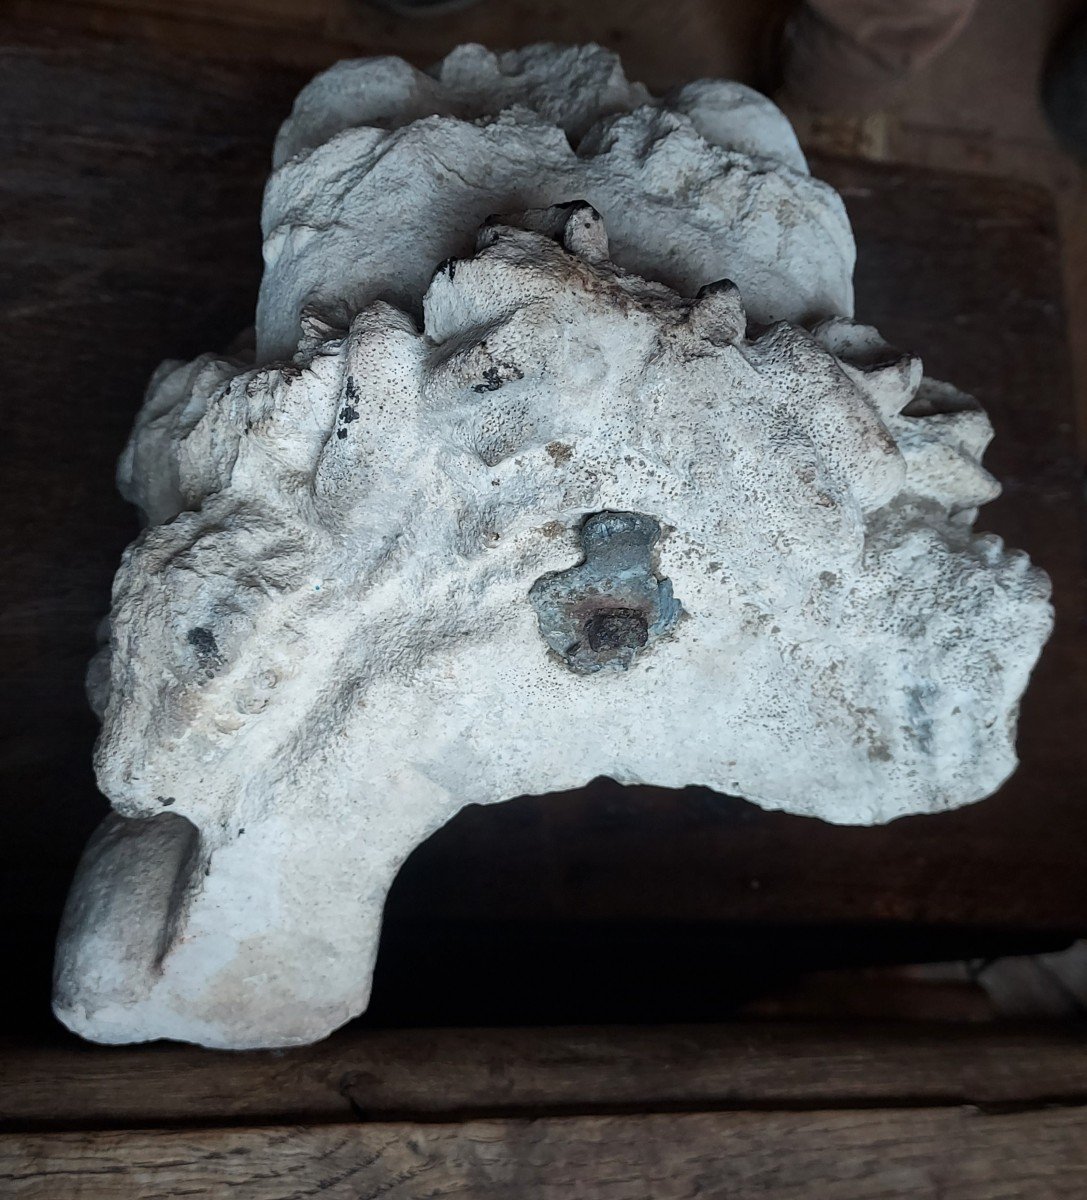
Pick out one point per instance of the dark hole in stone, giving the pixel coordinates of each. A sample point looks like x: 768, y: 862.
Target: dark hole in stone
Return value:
x: 616, y: 629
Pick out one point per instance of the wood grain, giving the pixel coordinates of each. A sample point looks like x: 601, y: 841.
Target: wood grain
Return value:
x: 704, y: 38
x: 446, y: 1073
x: 945, y: 1153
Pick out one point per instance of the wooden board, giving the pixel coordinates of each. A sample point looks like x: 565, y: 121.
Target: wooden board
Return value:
x: 129, y: 194
x: 774, y: 1111
x: 450, y: 1074
x: 705, y: 39
x: 944, y: 1153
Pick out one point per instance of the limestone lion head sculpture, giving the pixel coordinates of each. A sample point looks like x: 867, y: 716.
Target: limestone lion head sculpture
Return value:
x: 552, y: 508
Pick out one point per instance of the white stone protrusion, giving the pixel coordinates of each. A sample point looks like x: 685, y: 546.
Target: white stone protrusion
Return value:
x: 383, y: 170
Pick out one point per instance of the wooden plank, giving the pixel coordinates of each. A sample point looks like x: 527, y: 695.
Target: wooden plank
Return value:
x: 285, y: 17
x: 129, y: 198
x: 444, y: 1073
x: 705, y: 39
x: 166, y: 33
x: 949, y: 1153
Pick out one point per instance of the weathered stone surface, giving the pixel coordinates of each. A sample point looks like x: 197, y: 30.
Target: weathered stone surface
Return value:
x: 372, y: 190
x: 561, y: 510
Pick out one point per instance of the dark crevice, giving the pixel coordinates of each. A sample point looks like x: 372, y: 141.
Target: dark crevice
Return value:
x: 357, y: 1111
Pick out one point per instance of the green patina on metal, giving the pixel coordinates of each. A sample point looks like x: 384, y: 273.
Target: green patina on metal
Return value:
x: 601, y: 614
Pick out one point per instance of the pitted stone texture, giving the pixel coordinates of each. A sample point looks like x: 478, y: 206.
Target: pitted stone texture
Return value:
x: 324, y: 644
